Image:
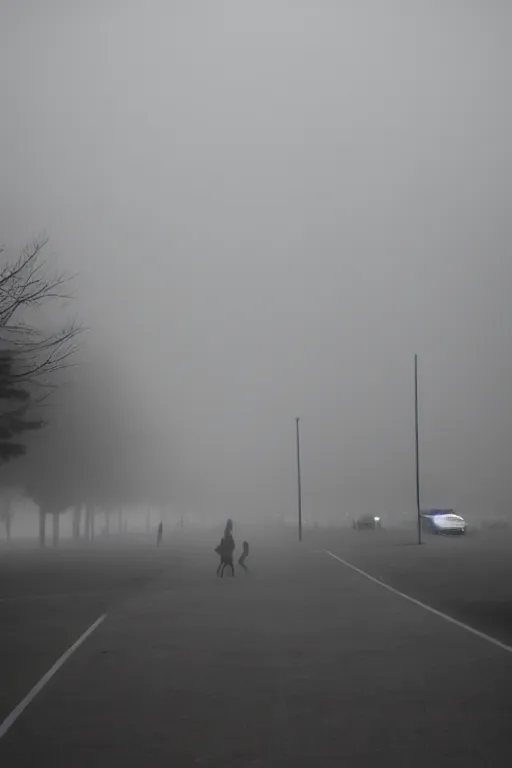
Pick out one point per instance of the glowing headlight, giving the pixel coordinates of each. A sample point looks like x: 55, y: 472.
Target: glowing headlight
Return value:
x: 377, y: 519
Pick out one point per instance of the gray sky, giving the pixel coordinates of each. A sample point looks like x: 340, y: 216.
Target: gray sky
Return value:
x: 272, y: 206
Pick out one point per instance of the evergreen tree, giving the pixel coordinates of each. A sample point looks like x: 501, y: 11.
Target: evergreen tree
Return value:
x: 15, y: 404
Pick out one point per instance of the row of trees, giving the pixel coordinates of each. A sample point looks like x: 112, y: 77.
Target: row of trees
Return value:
x: 71, y: 435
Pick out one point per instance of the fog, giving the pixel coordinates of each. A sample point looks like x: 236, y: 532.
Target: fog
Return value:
x: 271, y: 206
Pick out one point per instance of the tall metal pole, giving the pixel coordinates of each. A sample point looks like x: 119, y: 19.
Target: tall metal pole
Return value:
x: 299, y: 489
x: 417, y: 446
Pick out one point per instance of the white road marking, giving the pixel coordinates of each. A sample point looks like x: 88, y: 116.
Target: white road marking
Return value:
x: 17, y: 711
x: 445, y: 616
x: 47, y: 596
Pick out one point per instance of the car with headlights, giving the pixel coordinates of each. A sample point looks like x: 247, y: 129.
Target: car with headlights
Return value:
x: 443, y: 521
x: 367, y: 522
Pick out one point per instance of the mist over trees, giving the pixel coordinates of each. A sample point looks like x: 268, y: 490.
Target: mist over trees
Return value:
x: 98, y: 451
x: 78, y: 441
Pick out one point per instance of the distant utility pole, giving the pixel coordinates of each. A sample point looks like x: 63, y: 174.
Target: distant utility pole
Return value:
x: 299, y: 489
x: 417, y: 446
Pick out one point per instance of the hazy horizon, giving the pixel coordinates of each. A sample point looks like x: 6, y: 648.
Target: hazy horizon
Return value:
x: 271, y: 207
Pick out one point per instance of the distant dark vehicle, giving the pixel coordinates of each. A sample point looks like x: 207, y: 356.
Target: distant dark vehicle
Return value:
x: 443, y: 521
x: 367, y: 522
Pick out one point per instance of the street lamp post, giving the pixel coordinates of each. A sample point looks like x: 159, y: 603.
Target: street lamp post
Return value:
x: 299, y: 489
x: 417, y: 446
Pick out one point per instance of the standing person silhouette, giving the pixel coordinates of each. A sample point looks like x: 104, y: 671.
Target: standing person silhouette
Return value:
x: 226, y: 554
x: 159, y: 534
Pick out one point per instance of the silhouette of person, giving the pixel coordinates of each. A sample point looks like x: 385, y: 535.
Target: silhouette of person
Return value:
x: 159, y: 534
x: 219, y: 549
x: 226, y: 554
x: 244, y: 555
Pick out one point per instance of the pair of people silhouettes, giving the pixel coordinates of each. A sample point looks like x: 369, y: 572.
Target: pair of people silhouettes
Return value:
x: 226, y: 549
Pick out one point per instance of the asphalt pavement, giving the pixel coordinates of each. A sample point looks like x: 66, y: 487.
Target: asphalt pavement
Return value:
x: 300, y: 662
x: 468, y: 577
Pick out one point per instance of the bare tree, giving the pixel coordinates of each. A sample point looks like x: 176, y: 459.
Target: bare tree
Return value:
x: 32, y: 352
x: 30, y: 355
x: 26, y: 284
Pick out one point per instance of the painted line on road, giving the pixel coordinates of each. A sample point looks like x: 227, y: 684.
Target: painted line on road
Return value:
x: 445, y: 616
x: 46, y: 596
x: 54, y: 595
x: 17, y: 711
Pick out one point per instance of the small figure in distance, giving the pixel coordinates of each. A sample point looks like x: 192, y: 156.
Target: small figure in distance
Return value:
x: 159, y: 534
x: 244, y: 556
